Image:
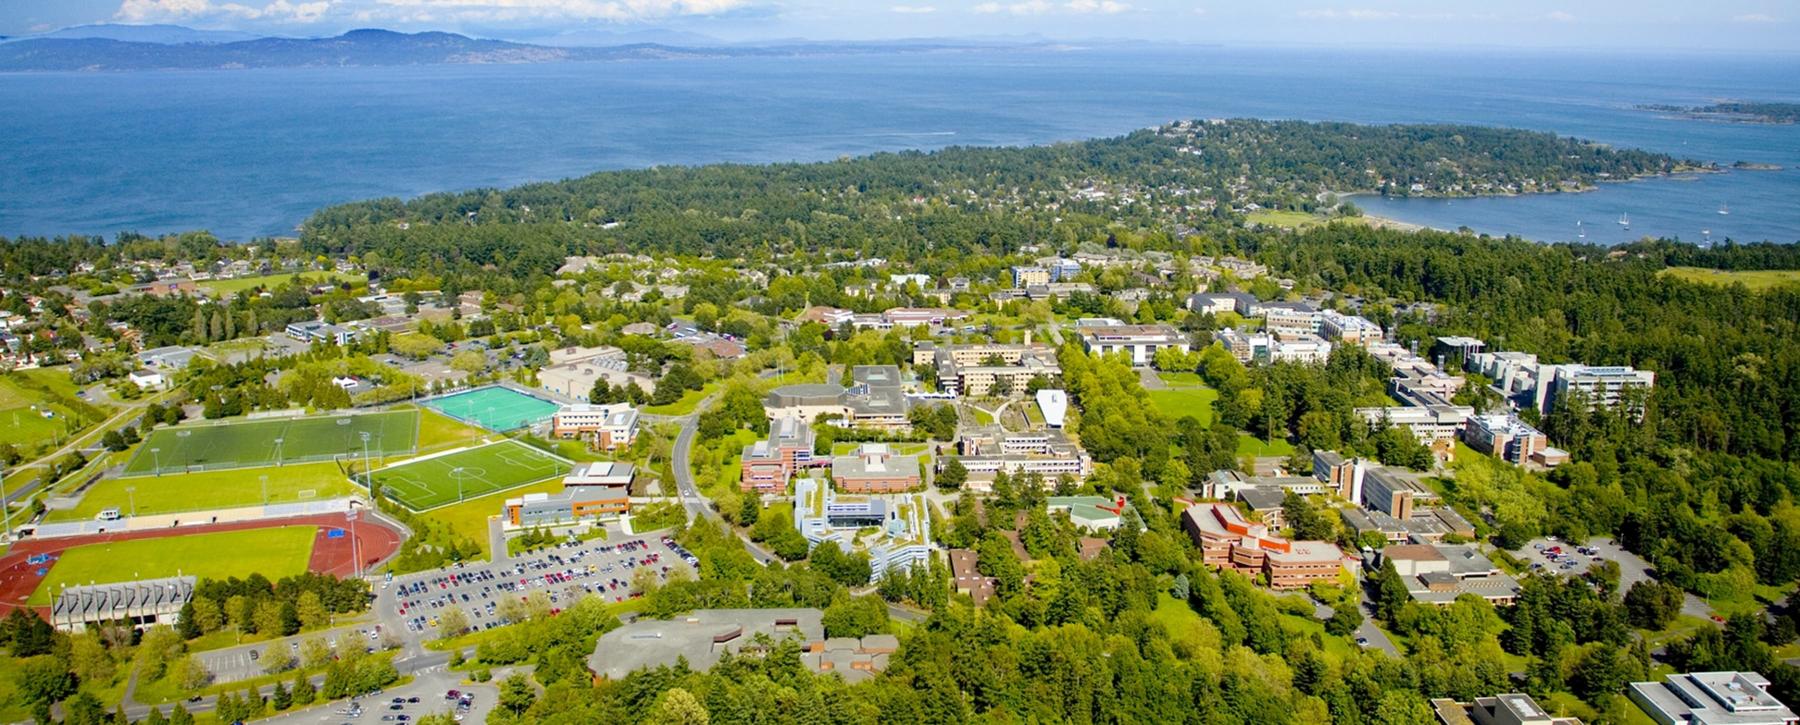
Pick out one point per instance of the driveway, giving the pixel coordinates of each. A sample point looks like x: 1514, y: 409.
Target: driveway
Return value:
x: 1367, y: 631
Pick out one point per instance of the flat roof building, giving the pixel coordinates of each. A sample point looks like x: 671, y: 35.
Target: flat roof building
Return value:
x: 1229, y: 541
x: 766, y: 465
x: 1095, y: 513
x: 142, y: 602
x: 1439, y: 573
x: 1712, y: 698
x: 1139, y: 343
x: 604, y: 427
x: 874, y: 468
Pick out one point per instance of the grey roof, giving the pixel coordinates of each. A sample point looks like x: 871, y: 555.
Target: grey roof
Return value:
x: 1262, y: 498
x: 701, y: 637
x: 143, y: 598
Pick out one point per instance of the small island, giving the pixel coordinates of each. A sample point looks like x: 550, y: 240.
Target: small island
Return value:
x: 1734, y: 112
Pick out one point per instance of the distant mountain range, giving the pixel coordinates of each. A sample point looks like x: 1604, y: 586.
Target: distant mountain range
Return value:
x: 128, y: 48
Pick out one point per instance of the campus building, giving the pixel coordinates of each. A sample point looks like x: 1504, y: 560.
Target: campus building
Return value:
x: 1139, y: 343
x: 702, y: 637
x: 568, y: 506
x: 1509, y: 709
x: 902, y: 536
x: 1094, y: 513
x: 1348, y: 329
x: 1392, y: 492
x: 311, y: 331
x: 601, y: 474
x: 1287, y: 319
x: 1229, y: 541
x: 604, y: 427
x: 1523, y: 381
x: 1438, y: 574
x: 766, y: 465
x: 977, y: 370
x: 1511, y: 440
x: 987, y: 450
x: 967, y: 579
x: 1712, y: 698
x: 572, y: 372
x: 876, y: 398
x: 874, y: 468
x: 139, y: 603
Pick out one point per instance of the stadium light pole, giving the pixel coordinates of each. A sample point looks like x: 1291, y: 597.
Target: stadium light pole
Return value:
x: 458, y: 473
x: 156, y: 456
x: 278, y: 452
x: 5, y: 506
x: 355, y: 557
x: 368, y: 474
x: 131, y: 495
x: 265, y: 487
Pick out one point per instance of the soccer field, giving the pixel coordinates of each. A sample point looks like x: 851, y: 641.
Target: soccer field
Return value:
x: 253, y: 443
x: 181, y: 492
x: 432, y: 482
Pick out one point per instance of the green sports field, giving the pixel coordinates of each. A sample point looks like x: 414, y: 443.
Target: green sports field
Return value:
x: 431, y: 482
x: 274, y: 553
x: 252, y: 443
x: 209, y: 490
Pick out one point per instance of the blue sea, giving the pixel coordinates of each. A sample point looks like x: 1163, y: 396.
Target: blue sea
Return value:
x: 251, y: 153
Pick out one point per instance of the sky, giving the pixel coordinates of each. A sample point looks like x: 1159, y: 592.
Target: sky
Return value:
x: 1621, y: 25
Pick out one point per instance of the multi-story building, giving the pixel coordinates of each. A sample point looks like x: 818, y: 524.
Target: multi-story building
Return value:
x: 1432, y: 425
x: 1139, y: 342
x: 1290, y: 318
x: 988, y: 450
x: 976, y: 370
x: 903, y: 525
x: 311, y: 331
x: 1302, y: 348
x: 1506, y: 437
x: 1343, y: 476
x: 874, y: 468
x: 1349, y: 329
x: 1247, y: 347
x: 596, y: 475
x: 1229, y: 541
x: 1023, y: 277
x: 1221, y: 303
x: 142, y: 603
x: 1712, y: 698
x: 766, y: 465
x: 1603, y: 386
x: 604, y: 427
x: 572, y: 372
x: 1510, y: 709
x: 568, y: 506
x: 1392, y: 492
x: 1094, y: 513
x: 875, y: 399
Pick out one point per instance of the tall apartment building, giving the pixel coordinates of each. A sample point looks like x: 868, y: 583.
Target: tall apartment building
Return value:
x: 1229, y: 541
x: 1023, y: 277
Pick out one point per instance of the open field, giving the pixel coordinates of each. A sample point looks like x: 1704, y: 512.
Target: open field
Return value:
x: 252, y: 443
x: 437, y: 430
x: 273, y: 552
x: 1249, y: 445
x: 688, y: 402
x: 432, y: 482
x: 222, y: 287
x: 1283, y: 219
x: 1178, y: 403
x: 209, y: 490
x: 48, y: 389
x: 1756, y: 279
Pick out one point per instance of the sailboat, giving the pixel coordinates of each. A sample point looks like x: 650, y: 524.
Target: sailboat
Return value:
x: 1579, y: 232
x: 1724, y: 210
x: 1625, y: 220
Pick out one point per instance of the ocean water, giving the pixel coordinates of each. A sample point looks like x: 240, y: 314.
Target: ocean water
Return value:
x: 250, y: 153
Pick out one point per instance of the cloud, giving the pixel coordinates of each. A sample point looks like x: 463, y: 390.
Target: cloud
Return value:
x: 1761, y: 18
x: 1351, y: 14
x: 1107, y: 7
x: 1560, y: 16
x: 281, y: 11
x: 913, y: 9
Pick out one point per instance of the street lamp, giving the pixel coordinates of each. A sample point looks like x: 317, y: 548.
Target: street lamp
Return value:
x: 5, y: 507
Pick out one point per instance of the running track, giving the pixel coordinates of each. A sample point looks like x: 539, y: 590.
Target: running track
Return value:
x: 329, y: 556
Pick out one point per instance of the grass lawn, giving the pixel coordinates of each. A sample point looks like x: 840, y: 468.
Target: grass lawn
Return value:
x: 251, y: 443
x: 24, y: 397
x: 1755, y: 279
x: 431, y: 482
x: 469, y: 518
x: 981, y: 415
x: 1182, y: 380
x: 438, y: 431
x: 178, y: 492
x: 688, y: 402
x: 1178, y: 403
x: 274, y: 552
x: 223, y: 287
x: 1249, y: 445
x: 1284, y: 219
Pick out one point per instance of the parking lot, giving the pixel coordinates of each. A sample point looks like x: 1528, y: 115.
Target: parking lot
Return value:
x: 1552, y: 556
x: 564, y: 573
x: 247, y: 661
x: 429, y: 693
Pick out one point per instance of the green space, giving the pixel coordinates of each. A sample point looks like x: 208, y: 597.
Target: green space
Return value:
x: 1282, y: 219
x: 1178, y: 403
x: 438, y: 431
x: 253, y: 443
x: 222, y: 287
x: 1755, y: 279
x: 469, y: 519
x: 272, y: 552
x: 494, y: 408
x: 1249, y: 445
x: 25, y: 398
x: 688, y: 402
x: 209, y: 490
x: 438, y: 480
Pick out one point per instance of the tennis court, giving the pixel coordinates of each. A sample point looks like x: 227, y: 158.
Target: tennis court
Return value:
x: 254, y: 443
x: 431, y: 482
x: 494, y: 408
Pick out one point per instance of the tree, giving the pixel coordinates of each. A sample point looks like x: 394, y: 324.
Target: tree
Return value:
x: 189, y: 675
x: 207, y: 615
x: 469, y: 361
x: 180, y: 716
x: 954, y: 475
x: 268, y: 618
x: 1181, y: 587
x: 28, y: 633
x: 281, y: 699
x: 303, y: 689
x: 679, y: 707
x: 516, y: 694
x: 1652, y: 605
x: 89, y: 658
x: 44, y: 681
x: 1305, y: 519
x: 276, y: 659
x: 855, y: 617
x: 452, y: 622
x: 311, y: 610
x: 750, y: 510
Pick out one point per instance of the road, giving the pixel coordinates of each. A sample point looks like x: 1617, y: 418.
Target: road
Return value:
x: 696, y: 503
x: 1365, y: 632
x: 88, y: 443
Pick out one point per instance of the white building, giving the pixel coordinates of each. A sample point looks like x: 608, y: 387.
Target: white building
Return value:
x: 606, y: 427
x: 1138, y: 342
x: 1712, y: 698
x: 1054, y: 404
x: 148, y: 379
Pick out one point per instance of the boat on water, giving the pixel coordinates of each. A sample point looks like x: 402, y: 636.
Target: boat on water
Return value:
x: 1625, y: 220
x: 1580, y: 233
x: 1724, y: 210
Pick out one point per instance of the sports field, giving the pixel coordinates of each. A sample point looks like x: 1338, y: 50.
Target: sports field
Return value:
x: 253, y: 443
x: 274, y: 553
x: 494, y: 408
x: 435, y: 481
x: 208, y: 490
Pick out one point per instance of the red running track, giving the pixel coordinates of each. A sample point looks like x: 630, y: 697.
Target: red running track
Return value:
x: 377, y: 541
